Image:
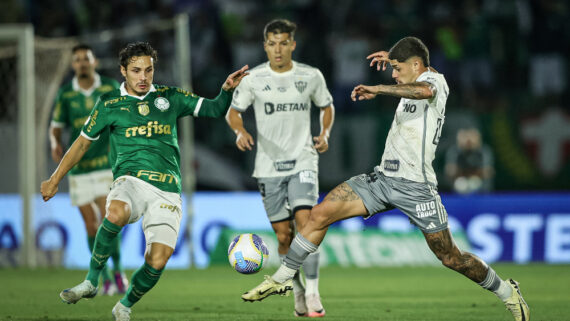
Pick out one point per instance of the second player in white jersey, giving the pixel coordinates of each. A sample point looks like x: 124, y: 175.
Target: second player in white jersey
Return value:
x: 282, y: 106
x: 414, y: 134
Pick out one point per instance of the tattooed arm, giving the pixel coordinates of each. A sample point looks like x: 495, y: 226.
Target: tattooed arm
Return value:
x: 415, y: 90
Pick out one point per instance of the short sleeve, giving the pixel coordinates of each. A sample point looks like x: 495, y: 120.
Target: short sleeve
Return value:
x: 432, y: 79
x: 321, y: 96
x: 60, y: 115
x: 243, y: 96
x: 97, y: 121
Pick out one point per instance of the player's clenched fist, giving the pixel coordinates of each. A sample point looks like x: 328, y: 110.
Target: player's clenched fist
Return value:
x: 48, y: 190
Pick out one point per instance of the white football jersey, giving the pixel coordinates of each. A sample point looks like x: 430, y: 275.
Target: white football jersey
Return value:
x: 414, y: 134
x: 282, y: 107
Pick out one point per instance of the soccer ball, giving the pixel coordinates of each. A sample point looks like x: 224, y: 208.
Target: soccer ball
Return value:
x: 247, y: 253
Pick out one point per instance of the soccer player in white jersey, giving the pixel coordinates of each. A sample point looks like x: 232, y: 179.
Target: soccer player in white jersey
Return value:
x: 286, y: 163
x: 404, y: 179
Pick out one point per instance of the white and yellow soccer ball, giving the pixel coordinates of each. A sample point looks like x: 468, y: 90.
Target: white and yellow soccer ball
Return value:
x: 247, y: 253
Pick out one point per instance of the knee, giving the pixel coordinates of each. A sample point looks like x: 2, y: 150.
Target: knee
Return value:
x: 284, y: 238
x: 118, y: 213
x: 319, y: 218
x: 157, y: 261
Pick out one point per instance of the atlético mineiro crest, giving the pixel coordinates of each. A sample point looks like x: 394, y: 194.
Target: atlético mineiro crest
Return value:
x: 162, y: 103
x: 143, y: 108
x: 301, y: 85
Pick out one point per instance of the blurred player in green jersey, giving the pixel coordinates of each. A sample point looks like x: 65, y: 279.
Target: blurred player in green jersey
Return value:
x: 145, y: 160
x: 89, y: 180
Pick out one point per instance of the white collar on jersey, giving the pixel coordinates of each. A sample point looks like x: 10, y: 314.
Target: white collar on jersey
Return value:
x: 89, y: 91
x: 285, y: 73
x: 125, y: 93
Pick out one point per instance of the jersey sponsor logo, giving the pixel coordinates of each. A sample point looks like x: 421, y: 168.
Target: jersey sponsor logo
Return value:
x: 409, y: 108
x: 143, y: 108
x: 170, y: 207
x: 92, y: 120
x: 301, y: 85
x: 157, y: 176
x: 93, y: 162
x: 308, y: 177
x: 426, y: 209
x: 270, y: 108
x: 392, y: 165
x: 287, y: 165
x: 151, y: 128
x: 161, y: 103
x: 113, y: 101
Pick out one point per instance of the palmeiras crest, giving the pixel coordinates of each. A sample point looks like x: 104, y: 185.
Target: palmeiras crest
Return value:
x: 161, y: 103
x: 301, y: 85
x: 143, y: 108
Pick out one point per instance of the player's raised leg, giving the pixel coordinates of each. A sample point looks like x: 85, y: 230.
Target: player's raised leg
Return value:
x: 117, y: 216
x: 118, y: 276
x: 92, y: 218
x: 444, y: 247
x: 341, y: 203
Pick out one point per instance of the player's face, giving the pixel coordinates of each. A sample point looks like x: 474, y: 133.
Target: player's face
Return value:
x: 279, y: 48
x: 138, y: 75
x: 405, y: 72
x: 83, y: 63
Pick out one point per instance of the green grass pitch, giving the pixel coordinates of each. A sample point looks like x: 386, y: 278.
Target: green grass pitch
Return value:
x: 388, y: 294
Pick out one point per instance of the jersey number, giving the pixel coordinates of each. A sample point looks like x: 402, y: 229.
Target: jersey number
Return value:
x: 437, y: 131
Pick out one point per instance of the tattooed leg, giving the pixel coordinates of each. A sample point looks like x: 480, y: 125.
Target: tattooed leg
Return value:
x: 442, y: 245
x: 339, y: 204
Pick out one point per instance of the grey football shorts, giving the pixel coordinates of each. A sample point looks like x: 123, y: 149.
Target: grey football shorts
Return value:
x: 284, y: 195
x: 419, y: 201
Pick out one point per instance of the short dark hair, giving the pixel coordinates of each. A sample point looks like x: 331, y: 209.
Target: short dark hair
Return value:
x: 409, y: 47
x: 80, y: 46
x: 279, y: 26
x: 136, y: 49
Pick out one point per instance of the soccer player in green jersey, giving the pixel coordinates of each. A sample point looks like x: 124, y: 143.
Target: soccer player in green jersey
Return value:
x: 141, y: 117
x: 91, y: 178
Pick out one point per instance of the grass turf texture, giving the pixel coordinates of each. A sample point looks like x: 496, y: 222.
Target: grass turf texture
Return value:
x: 390, y: 294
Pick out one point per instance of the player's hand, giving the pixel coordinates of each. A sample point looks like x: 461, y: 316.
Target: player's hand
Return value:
x: 362, y: 92
x: 321, y: 143
x: 380, y: 58
x: 48, y: 189
x: 57, y: 153
x: 234, y: 79
x: 244, y: 141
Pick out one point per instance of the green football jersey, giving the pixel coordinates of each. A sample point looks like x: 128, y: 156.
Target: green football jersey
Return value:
x: 72, y: 108
x: 143, y: 132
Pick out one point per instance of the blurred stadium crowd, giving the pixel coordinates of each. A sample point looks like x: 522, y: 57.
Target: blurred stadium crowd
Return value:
x: 507, y: 56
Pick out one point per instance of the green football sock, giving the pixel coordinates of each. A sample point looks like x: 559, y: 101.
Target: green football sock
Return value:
x: 142, y: 281
x: 116, y: 254
x: 106, y: 274
x: 102, y: 249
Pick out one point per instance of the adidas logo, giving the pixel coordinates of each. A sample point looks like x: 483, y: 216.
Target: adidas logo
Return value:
x: 430, y: 226
x: 267, y: 88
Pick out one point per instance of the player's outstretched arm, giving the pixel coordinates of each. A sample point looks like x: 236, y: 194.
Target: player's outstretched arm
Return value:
x: 415, y: 90
x: 244, y: 141
x: 72, y: 157
x: 234, y: 78
x: 327, y: 120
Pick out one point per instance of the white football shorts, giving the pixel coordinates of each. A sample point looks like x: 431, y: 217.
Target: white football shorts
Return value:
x: 161, y: 211
x: 85, y: 188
